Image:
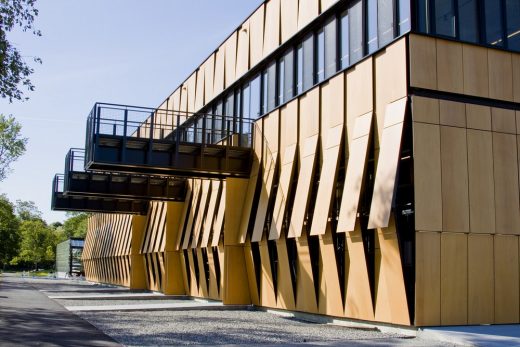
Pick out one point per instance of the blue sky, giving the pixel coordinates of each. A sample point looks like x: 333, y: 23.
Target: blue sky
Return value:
x: 121, y: 51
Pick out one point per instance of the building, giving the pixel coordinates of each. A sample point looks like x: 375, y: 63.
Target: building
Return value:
x: 68, y: 258
x: 355, y: 159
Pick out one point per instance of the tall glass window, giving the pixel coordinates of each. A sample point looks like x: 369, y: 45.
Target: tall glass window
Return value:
x: 513, y: 24
x: 251, y: 98
x: 217, y: 121
x: 281, y: 80
x: 445, y: 17
x: 288, y: 75
x: 238, y: 102
x: 468, y: 20
x: 299, y: 71
x: 423, y: 16
x: 229, y: 112
x: 246, y: 95
x: 355, y: 14
x: 344, y: 37
x: 403, y: 13
x: 494, y: 35
x: 385, y: 25
x: 308, y: 62
x: 255, y: 98
x: 271, y: 86
x: 320, y: 55
x: 265, y: 86
x: 371, y: 25
x: 331, y: 65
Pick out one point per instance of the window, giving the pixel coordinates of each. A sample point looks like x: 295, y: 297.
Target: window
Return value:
x: 344, y: 39
x: 255, y: 97
x: 355, y: 14
x: 371, y: 25
x: 288, y: 76
x: 229, y: 112
x: 404, y: 16
x: 238, y: 97
x: 423, y: 16
x: 281, y: 80
x: 385, y: 26
x: 269, y: 88
x: 493, y: 24
x: 445, y: 17
x: 299, y: 72
x: 308, y: 62
x: 331, y: 65
x: 513, y: 24
x: 217, y: 121
x: 468, y: 26
x: 251, y: 98
x: 320, y: 55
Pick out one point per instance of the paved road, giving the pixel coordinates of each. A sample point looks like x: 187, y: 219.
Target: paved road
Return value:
x: 29, y: 318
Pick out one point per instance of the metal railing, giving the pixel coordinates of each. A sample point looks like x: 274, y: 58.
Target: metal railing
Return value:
x: 134, y: 122
x: 58, y: 183
x: 75, y: 160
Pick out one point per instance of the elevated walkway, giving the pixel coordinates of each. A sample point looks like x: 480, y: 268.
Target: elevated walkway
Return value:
x: 152, y: 141
x: 78, y: 182
x: 62, y: 202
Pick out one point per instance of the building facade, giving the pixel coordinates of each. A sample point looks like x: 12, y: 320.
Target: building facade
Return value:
x: 69, y: 258
x: 383, y: 182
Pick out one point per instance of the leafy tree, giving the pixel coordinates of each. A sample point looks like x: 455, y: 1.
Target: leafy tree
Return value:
x: 12, y: 144
x: 38, y: 243
x: 9, y: 234
x: 27, y: 210
x: 13, y: 69
x: 76, y: 224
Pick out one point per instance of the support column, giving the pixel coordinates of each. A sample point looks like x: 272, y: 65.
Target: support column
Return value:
x: 173, y: 283
x: 235, y: 286
x: 137, y: 271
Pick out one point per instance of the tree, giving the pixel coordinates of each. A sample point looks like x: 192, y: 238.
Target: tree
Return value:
x: 27, y: 210
x: 38, y: 243
x: 12, y: 144
x: 76, y: 224
x: 13, y: 69
x: 9, y: 234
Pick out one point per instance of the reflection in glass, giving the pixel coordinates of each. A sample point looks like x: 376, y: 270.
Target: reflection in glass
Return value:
x: 308, y: 62
x: 494, y: 35
x: 385, y: 12
x: 331, y: 65
x: 371, y: 25
x: 445, y: 18
x: 271, y: 86
x: 468, y: 25
x: 299, y: 67
x: 404, y: 16
x: 355, y: 14
x: 288, y: 78
x: 281, y: 80
x: 344, y: 47
x: 320, y: 56
x: 513, y: 24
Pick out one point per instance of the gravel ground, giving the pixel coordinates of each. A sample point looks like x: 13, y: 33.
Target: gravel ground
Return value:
x: 232, y: 328
x: 208, y: 327
x: 110, y: 302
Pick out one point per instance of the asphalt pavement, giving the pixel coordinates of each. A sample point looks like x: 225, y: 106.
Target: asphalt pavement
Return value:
x: 30, y: 318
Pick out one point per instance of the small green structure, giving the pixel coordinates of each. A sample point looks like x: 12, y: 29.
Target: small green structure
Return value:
x: 68, y: 258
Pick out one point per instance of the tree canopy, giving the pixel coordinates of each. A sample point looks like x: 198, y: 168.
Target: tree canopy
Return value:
x: 75, y: 225
x: 27, y: 241
x: 14, y: 71
x: 9, y: 235
x: 12, y: 144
